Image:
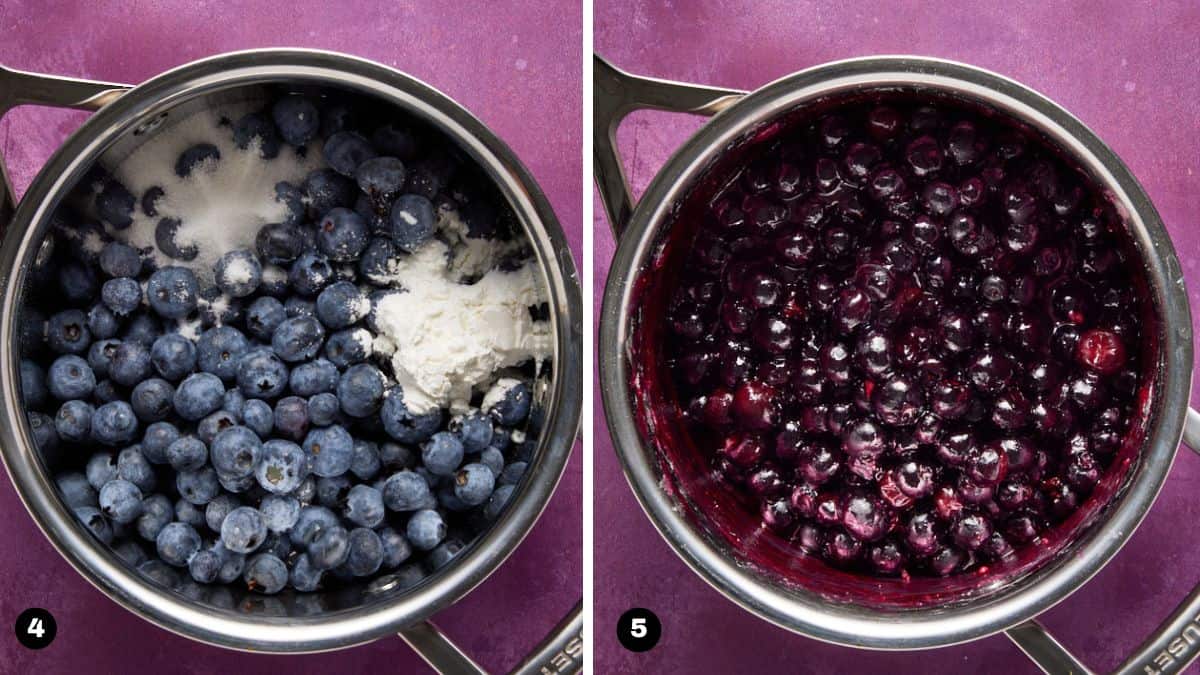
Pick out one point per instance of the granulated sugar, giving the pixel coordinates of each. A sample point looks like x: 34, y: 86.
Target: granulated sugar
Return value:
x: 223, y: 203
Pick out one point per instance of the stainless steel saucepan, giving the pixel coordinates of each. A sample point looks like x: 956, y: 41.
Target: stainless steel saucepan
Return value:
x: 642, y: 231
x: 128, y: 116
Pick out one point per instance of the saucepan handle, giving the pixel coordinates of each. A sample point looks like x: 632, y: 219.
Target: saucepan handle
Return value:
x: 1169, y: 649
x: 615, y: 95
x: 21, y: 88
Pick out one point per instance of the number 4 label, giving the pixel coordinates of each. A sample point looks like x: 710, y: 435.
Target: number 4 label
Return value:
x: 35, y: 628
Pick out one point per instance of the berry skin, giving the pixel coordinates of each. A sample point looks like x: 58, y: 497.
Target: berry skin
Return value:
x: 243, y: 530
x: 291, y: 417
x: 360, y: 390
x: 114, y: 423
x: 426, y: 529
x: 366, y: 552
x: 346, y: 150
x: 297, y: 119
x: 255, y: 128
x: 121, y: 501
x: 67, y: 332
x: 114, y: 205
x: 261, y: 374
x: 235, y: 451
x: 443, y: 454
x: 172, y: 292
x: 176, y: 543
x: 323, y: 409
x: 279, y: 512
x: 238, y: 273
x: 218, y: 350
x: 407, y: 491
x: 348, y: 347
x: 198, y: 395
x: 342, y: 304
x: 259, y: 417
x: 1102, y: 351
x: 197, y: 487
x: 364, y: 506
x: 330, y: 451
x: 266, y: 574
x: 380, y: 178
x: 512, y: 406
x: 173, y: 356
x: 329, y: 548
x: 404, y: 425
x: 121, y: 295
x: 76, y: 491
x: 95, y: 522
x: 131, y: 363
x: 298, y: 339
x: 281, y: 466
x: 187, y: 453
x: 474, y: 483
x: 413, y: 221
x: 70, y: 377
x: 342, y: 235
x: 152, y: 399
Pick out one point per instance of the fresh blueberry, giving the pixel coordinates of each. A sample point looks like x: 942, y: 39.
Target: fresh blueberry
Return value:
x: 194, y: 157
x: 375, y: 214
x: 234, y: 404
x: 187, y: 512
x: 100, y: 469
x: 236, y: 484
x: 495, y: 505
x: 133, y: 466
x: 330, y: 450
x: 114, y: 205
x: 364, y: 506
x: 345, y: 150
x: 313, y: 520
x: 493, y: 459
x: 261, y: 374
x: 198, y: 395
x: 342, y: 235
x: 266, y: 574
x: 77, y: 282
x: 75, y: 489
x: 121, y: 295
x: 282, y: 466
x: 342, y: 304
x: 426, y: 529
x: 143, y: 329
x: 220, y: 507
x: 366, y: 464
x: 327, y: 189
x: 169, y: 241
x: 263, y: 316
x: 100, y: 355
x: 377, y: 264
x: 121, y: 501
x: 296, y: 306
x: 396, y: 456
x: 259, y: 416
x: 476, y: 431
x: 158, y: 437
x: 443, y: 553
x: 291, y: 417
x: 107, y: 391
x: 114, y: 424
x: 310, y: 273
x: 257, y: 129
x: 130, y: 552
x: 219, y: 350
x: 360, y: 390
x: 173, y: 356
x: 443, y: 454
x: 45, y: 431
x: 235, y: 451
x: 332, y: 490
x: 243, y: 530
x: 176, y: 543
x: 198, y: 487
x: 120, y: 260
x: 366, y: 552
x: 238, y: 273
x: 449, y: 501
x: 204, y: 566
x: 130, y: 363
x: 279, y: 243
x: 349, y: 346
x: 298, y: 339
x: 279, y: 512
x: 323, y: 409
x: 380, y: 178
x: 95, y: 522
x: 396, y: 548
x: 508, y: 402
x: 102, y: 322
x: 304, y: 577
x: 157, y: 511
x: 512, y: 473
x: 406, y: 426
x: 172, y: 292
x: 152, y: 399
x: 187, y: 454
x: 33, y: 384
x: 407, y: 491
x: 413, y: 221
x: 70, y: 377
x: 297, y: 119
x: 292, y: 199
x: 67, y: 332
x: 329, y: 548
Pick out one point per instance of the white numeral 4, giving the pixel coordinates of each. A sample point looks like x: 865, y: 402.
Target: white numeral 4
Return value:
x: 35, y: 628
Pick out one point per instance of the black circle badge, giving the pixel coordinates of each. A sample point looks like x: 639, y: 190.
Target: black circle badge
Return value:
x: 639, y: 630
x: 36, y: 628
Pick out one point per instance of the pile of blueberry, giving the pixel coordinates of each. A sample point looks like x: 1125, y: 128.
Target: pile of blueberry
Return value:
x: 269, y: 449
x: 908, y: 335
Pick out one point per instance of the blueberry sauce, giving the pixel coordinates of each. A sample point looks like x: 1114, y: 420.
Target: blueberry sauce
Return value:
x: 905, y: 340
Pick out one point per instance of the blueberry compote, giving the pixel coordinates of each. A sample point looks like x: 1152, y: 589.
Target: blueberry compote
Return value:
x: 906, y: 338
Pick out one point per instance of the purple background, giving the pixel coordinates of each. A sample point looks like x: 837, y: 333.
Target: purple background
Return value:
x: 1127, y: 69
x: 518, y: 68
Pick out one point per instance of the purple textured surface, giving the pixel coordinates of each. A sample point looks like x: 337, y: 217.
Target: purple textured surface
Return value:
x: 1127, y: 69
x: 517, y: 68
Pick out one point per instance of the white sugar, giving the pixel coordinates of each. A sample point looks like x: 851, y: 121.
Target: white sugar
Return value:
x: 223, y: 203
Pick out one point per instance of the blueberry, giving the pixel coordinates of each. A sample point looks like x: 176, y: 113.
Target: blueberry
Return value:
x: 187, y: 453
x: 350, y: 346
x: 512, y: 473
x: 75, y: 489
x: 449, y: 501
x: 101, y: 468
x: 198, y: 395
x: 95, y: 522
x: 236, y: 484
x: 493, y: 459
x: 187, y: 512
x: 427, y: 177
x: 261, y: 374
x: 194, y: 157
x: 291, y: 417
x: 298, y: 339
x: 152, y: 399
x: 122, y: 295
x: 259, y: 417
x: 238, y: 273
x: 130, y: 552
x: 364, y: 506
x: 342, y: 304
x: 67, y: 332
x: 256, y: 128
x: 342, y: 235
x: 235, y: 451
x: 509, y: 402
x: 120, y: 260
x: 443, y: 454
x: 100, y: 355
x: 326, y: 189
x: 380, y: 178
x: 345, y: 150
x: 102, y: 323
x: 130, y: 364
x: 176, y: 543
x: 331, y: 491
x: 70, y: 377
x: 234, y: 403
x: 281, y: 467
x: 107, y: 391
x: 304, y: 577
x: 292, y: 199
x: 377, y: 264
x: 150, y: 201
x: 173, y: 356
x: 361, y: 390
x: 160, y: 573
x: 219, y: 350
x: 157, y: 511
x: 396, y: 548
x: 266, y: 574
x: 407, y: 491
x: 279, y: 243
x: 204, y: 566
x: 406, y: 426
x: 33, y: 384
x: 396, y: 456
x: 45, y: 431
x: 172, y: 292
x: 426, y: 529
x: 323, y: 409
x: 366, y: 552
x: 313, y: 520
x: 413, y: 221
x: 263, y: 316
x: 476, y: 432
x: 114, y: 205
x: 133, y: 466
x: 167, y: 239
x: 443, y: 554
x: 143, y: 329
x: 198, y: 487
x: 310, y: 273
x: 330, y: 450
x: 297, y: 119
x: 329, y: 548
x: 121, y: 501
x: 216, y: 510
x: 296, y: 306
x: 243, y: 530
x: 280, y: 512
x: 158, y: 437
x: 495, y: 505
x: 366, y: 463
x: 114, y: 423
